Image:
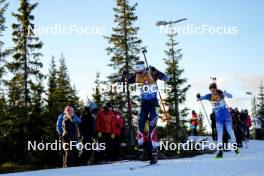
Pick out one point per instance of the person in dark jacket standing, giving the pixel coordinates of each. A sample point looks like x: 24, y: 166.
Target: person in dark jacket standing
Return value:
x: 88, y: 133
x: 243, y: 119
x: 235, y: 114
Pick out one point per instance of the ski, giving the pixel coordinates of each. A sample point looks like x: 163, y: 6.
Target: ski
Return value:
x: 116, y: 162
x: 141, y: 167
x: 228, y: 158
x: 217, y: 158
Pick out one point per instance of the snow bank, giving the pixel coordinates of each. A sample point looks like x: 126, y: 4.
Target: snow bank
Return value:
x: 249, y: 163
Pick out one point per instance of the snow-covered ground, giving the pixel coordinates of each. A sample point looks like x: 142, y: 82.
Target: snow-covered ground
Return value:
x: 249, y: 163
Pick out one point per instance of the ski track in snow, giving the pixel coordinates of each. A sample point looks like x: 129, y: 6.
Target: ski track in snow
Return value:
x: 249, y: 163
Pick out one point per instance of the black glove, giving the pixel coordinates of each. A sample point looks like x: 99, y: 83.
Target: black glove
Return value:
x: 198, y: 96
x: 153, y: 69
x: 125, y: 73
x: 123, y: 76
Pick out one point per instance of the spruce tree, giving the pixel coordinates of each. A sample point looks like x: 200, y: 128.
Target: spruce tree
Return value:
x: 51, y: 100
x: 254, y: 106
x: 260, y: 105
x: 74, y: 98
x: 124, y: 49
x: 65, y: 93
x: 98, y: 96
x: 3, y: 52
x: 25, y: 65
x: 201, y: 127
x: 26, y: 78
x: 36, y: 123
x: 177, y: 95
x: 52, y: 110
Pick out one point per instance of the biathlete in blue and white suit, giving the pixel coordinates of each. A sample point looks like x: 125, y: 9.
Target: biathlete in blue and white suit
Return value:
x: 222, y: 116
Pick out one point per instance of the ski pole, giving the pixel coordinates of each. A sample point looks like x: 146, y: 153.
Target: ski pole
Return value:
x: 144, y: 51
x: 205, y: 113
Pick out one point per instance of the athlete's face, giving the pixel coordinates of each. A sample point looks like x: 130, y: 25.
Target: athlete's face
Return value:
x: 139, y: 72
x: 213, y: 91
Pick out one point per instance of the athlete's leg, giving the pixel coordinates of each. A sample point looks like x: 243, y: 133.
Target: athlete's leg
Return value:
x: 220, y: 129
x: 143, y: 116
x: 153, y: 119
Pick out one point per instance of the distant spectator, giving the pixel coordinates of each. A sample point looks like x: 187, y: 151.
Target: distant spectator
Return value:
x: 248, y: 124
x: 194, y: 122
x: 70, y: 134
x: 88, y: 133
x: 259, y: 132
x: 243, y: 119
x: 118, y: 125
x: 213, y: 126
x: 235, y: 114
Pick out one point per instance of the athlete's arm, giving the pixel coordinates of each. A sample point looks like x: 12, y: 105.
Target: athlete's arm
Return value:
x: 129, y: 78
x: 205, y: 97
x: 160, y: 75
x: 228, y: 95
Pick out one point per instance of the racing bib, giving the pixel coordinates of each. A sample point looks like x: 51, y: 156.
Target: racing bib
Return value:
x: 148, y: 85
x: 217, y: 102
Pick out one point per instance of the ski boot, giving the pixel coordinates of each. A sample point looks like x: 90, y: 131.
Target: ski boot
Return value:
x: 140, y: 153
x: 237, y: 151
x: 220, y: 153
x: 154, y: 157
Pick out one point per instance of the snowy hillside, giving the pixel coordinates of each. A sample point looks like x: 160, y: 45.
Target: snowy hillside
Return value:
x: 249, y: 163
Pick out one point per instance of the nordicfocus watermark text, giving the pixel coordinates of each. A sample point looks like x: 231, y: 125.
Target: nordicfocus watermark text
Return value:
x: 201, y: 146
x: 205, y: 29
x: 73, y: 29
x: 58, y: 145
x: 121, y: 87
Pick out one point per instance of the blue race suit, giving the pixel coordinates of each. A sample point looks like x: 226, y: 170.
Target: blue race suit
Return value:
x: 222, y: 115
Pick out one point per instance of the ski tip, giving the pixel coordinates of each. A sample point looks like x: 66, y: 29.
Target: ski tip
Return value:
x: 143, y: 166
x: 217, y: 158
